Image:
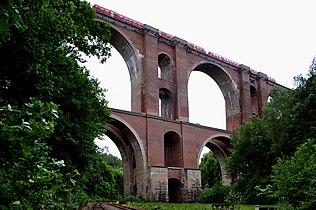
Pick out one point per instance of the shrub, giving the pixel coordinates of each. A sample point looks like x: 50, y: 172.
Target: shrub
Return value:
x: 29, y: 177
x: 216, y: 194
x: 295, y: 179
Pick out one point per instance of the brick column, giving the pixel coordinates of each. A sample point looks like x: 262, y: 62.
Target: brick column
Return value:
x: 182, y: 106
x: 262, y: 92
x: 151, y: 89
x: 245, y: 93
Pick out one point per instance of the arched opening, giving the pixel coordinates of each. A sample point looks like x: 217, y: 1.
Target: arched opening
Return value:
x: 210, y: 169
x: 166, y: 106
x: 229, y: 94
x: 133, y: 61
x: 173, y: 149
x: 113, y: 76
x: 132, y: 155
x: 108, y: 146
x: 174, y: 190
x: 206, y: 101
x: 165, y: 67
x: 219, y: 147
x: 254, y: 99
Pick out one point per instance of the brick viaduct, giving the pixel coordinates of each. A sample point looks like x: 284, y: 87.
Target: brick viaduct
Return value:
x: 160, y: 149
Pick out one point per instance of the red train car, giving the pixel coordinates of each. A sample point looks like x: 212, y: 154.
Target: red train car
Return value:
x: 118, y: 16
x: 196, y: 48
x: 166, y: 35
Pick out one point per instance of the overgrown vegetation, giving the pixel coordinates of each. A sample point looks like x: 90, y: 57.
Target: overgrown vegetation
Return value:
x: 272, y: 159
x: 210, y: 170
x: 28, y: 172
x: 294, y: 179
x: 51, y: 110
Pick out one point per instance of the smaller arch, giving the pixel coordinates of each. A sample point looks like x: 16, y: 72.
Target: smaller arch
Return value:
x: 219, y: 145
x: 133, y: 131
x: 133, y: 155
x: 174, y: 190
x: 216, y: 136
x: 165, y: 67
x: 172, y: 149
x: 254, y: 96
x: 254, y: 100
x: 166, y: 104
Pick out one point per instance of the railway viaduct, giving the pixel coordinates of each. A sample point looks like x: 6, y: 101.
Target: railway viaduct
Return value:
x: 160, y: 149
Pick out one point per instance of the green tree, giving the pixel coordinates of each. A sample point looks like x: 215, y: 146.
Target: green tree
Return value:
x: 10, y: 19
x: 112, y: 160
x: 250, y: 162
x: 290, y: 116
x: 41, y: 45
x: 29, y: 177
x: 104, y: 176
x: 102, y: 180
x: 210, y: 170
x: 295, y: 179
x: 289, y: 120
x: 42, y: 61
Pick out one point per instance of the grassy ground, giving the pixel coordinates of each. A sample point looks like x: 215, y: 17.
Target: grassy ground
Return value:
x: 183, y: 206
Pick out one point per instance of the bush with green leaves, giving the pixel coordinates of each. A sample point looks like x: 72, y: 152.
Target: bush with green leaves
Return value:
x: 102, y: 180
x: 295, y: 179
x: 29, y: 177
x: 216, y: 194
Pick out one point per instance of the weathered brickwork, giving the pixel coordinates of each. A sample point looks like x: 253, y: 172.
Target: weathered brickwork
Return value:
x: 159, y: 147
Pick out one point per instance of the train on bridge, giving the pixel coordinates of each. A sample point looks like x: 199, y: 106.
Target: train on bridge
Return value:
x: 169, y: 37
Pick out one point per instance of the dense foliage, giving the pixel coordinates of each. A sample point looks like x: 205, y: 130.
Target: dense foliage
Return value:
x: 290, y: 116
x: 251, y: 160
x: 47, y: 160
x: 216, y: 194
x: 210, y: 170
x: 29, y: 176
x: 102, y: 178
x: 289, y: 121
x: 295, y: 180
x: 41, y: 61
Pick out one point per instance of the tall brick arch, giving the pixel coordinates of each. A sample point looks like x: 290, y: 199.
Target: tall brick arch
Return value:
x: 227, y: 86
x: 133, y: 155
x: 160, y: 148
x: 132, y: 58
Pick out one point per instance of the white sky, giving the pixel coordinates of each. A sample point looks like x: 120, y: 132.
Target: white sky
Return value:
x: 274, y: 37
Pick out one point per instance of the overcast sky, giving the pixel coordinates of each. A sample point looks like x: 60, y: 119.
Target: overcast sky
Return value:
x: 274, y: 37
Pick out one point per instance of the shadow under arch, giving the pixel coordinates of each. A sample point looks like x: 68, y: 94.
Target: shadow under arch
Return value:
x: 219, y: 144
x: 174, y: 190
x: 166, y: 67
x: 132, y: 58
x: 133, y: 155
x: 173, y: 149
x: 227, y: 87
